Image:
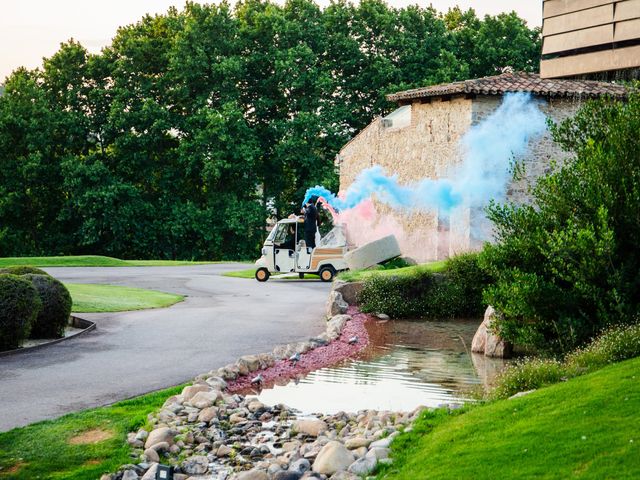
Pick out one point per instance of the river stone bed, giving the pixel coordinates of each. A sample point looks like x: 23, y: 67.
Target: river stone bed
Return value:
x: 208, y: 432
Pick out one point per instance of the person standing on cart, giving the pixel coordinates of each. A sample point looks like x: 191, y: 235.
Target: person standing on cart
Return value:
x: 310, y: 224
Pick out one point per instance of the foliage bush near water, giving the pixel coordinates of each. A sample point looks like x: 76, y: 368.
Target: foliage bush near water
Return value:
x: 567, y: 266
x: 19, y: 307
x: 616, y: 345
x: 56, y: 307
x: 455, y: 292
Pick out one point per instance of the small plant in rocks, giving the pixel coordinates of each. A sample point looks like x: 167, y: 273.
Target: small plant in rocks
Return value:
x: 19, y: 307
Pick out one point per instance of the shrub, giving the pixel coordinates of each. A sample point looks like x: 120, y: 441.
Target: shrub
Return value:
x: 615, y: 345
x: 23, y: 270
x: 56, y: 307
x: 528, y: 374
x: 19, y: 307
x: 566, y: 266
x: 456, y: 292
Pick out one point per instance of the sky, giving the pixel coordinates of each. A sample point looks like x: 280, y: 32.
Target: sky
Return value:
x: 33, y: 29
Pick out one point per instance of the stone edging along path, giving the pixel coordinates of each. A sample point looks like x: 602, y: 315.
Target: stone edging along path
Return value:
x: 77, y: 322
x: 211, y: 432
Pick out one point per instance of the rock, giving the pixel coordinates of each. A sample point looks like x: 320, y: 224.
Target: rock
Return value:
x: 495, y: 346
x: 236, y: 418
x: 336, y: 324
x: 336, y: 304
x: 378, y: 453
x: 129, y: 475
x: 162, y: 434
x: 479, y: 342
x: 106, y: 477
x: 357, y: 442
x: 205, y: 399
x: 344, y: 476
x: 196, y: 465
x: 208, y: 414
x: 521, y: 394
x: 290, y: 446
x: 252, y: 362
x: 287, y: 475
x: 254, y: 474
x: 161, y: 447
x: 151, y: 455
x: 349, y: 290
x: 189, y: 392
x: 382, y: 443
x: 333, y: 457
x: 255, y: 406
x: 302, y: 465
x: 217, y: 383
x: 312, y: 427
x: 363, y: 466
x: 142, y: 435
x: 224, y: 451
x: 151, y: 473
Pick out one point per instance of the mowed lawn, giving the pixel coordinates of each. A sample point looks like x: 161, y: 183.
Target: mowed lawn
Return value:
x: 78, y: 446
x: 586, y: 428
x: 90, y: 261
x: 113, y: 298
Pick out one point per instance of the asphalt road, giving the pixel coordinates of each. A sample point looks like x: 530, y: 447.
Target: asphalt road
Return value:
x: 132, y: 353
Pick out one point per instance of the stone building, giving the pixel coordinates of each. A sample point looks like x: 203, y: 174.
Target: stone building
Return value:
x: 421, y: 140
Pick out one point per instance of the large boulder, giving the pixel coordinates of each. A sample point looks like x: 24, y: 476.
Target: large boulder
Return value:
x: 195, y: 465
x: 486, y: 341
x: 311, y: 427
x: 159, y: 435
x: 334, y: 457
x: 336, y: 304
x: 348, y: 290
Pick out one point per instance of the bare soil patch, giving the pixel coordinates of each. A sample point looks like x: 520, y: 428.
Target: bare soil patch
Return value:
x: 95, y: 435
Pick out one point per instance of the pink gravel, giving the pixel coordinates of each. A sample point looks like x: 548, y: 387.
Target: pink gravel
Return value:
x: 319, y: 357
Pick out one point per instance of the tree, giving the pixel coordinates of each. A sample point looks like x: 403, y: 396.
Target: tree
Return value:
x: 566, y: 267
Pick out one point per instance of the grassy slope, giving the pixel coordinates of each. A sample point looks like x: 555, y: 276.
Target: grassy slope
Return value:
x: 44, y: 452
x: 89, y: 261
x: 585, y: 428
x: 112, y: 298
x: 359, y: 275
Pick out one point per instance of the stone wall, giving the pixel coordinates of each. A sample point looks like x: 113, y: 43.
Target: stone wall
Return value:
x: 428, y: 148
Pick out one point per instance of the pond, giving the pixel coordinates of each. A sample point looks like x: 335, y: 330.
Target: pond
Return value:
x: 407, y: 364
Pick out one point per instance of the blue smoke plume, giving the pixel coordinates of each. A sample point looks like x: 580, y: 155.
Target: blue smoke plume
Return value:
x: 488, y: 149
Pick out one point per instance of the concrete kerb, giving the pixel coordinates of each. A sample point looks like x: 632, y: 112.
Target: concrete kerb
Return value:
x: 76, y: 322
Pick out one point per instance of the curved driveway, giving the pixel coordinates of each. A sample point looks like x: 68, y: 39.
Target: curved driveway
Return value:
x: 132, y: 353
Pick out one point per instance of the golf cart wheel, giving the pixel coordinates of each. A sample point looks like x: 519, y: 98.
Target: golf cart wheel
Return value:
x: 300, y: 276
x: 327, y: 273
x: 262, y: 274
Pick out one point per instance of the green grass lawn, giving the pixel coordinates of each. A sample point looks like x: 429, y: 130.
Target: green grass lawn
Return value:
x: 585, y: 428
x: 45, y: 450
x: 113, y: 298
x: 90, y: 261
x: 250, y: 273
x: 360, y: 275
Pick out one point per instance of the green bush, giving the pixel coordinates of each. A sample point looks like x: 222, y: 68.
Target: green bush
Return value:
x: 456, y: 292
x: 23, y: 270
x: 566, y: 266
x: 615, y: 345
x: 19, y: 307
x: 56, y: 307
x: 528, y: 374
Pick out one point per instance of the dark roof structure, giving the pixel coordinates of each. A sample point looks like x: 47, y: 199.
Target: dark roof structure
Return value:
x: 515, y: 82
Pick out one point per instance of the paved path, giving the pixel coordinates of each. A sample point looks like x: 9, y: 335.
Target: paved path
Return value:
x: 131, y: 353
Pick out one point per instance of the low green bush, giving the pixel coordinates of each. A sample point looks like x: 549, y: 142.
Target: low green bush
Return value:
x: 456, y: 292
x: 56, y: 307
x: 615, y: 345
x: 19, y: 307
x: 23, y: 270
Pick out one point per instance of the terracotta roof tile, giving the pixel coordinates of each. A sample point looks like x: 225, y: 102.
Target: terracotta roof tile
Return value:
x: 516, y: 82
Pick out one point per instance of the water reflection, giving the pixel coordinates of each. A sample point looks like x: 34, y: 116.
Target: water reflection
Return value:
x: 408, y: 364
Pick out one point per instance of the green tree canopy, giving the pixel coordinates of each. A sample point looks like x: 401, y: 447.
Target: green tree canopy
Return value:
x: 180, y: 138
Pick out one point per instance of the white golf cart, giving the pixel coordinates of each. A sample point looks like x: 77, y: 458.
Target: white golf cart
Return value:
x: 285, y: 251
